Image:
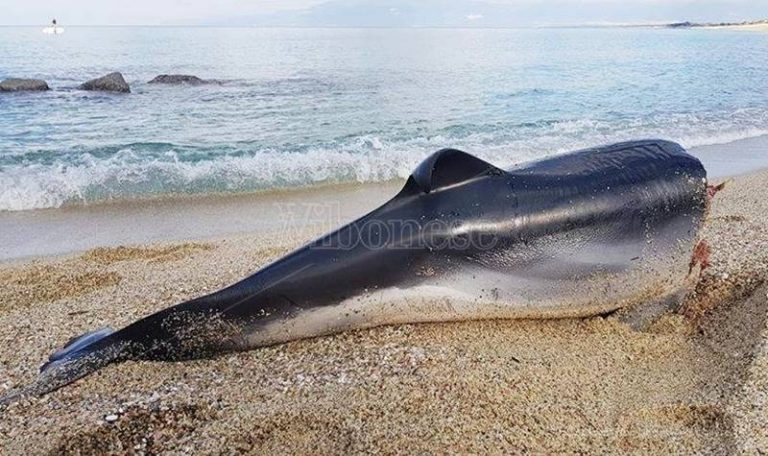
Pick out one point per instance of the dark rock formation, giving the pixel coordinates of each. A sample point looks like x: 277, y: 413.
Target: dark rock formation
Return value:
x: 18, y: 85
x: 113, y: 82
x: 178, y: 79
x: 685, y: 24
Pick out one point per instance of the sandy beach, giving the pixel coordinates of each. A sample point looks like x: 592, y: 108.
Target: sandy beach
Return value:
x: 763, y: 27
x: 692, y: 381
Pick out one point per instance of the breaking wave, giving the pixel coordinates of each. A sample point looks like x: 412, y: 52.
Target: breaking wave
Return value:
x: 50, y: 179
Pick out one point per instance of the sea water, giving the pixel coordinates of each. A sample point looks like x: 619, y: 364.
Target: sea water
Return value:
x: 301, y: 107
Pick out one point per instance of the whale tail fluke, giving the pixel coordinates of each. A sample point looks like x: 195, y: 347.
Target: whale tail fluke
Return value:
x: 79, y: 357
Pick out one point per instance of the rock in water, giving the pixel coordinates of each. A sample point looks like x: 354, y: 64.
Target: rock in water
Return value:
x: 177, y: 79
x: 113, y: 82
x: 18, y: 85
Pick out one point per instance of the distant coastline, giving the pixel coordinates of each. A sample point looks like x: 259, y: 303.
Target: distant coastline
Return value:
x: 757, y: 25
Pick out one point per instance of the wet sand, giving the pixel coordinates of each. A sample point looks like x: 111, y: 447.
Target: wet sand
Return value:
x: 693, y: 381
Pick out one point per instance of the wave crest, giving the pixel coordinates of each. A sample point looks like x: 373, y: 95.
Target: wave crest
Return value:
x: 44, y: 179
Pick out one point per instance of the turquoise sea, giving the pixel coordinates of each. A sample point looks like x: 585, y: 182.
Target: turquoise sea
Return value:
x: 301, y: 107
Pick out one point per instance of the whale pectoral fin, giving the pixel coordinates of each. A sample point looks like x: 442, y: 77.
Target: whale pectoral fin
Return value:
x: 81, y: 356
x: 449, y: 167
x: 76, y: 344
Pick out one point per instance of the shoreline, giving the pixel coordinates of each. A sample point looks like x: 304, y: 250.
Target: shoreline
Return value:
x: 746, y: 27
x: 693, y: 381
x: 44, y: 232
x: 760, y: 25
x: 751, y: 27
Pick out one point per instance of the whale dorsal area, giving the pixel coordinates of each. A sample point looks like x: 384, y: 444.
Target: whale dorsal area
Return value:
x: 449, y: 167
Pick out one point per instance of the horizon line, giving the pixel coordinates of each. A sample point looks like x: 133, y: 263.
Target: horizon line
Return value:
x: 467, y: 26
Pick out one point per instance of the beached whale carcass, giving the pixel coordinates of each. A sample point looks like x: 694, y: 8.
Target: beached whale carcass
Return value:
x: 574, y: 235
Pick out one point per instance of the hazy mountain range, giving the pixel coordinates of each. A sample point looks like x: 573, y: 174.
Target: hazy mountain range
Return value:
x: 499, y: 13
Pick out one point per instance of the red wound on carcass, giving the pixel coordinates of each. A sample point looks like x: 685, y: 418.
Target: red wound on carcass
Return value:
x: 700, y: 256
x: 713, y: 189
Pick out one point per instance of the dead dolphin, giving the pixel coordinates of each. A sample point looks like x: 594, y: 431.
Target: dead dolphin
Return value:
x: 575, y: 235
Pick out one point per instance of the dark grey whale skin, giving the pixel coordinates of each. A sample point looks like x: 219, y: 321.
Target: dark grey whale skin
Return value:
x: 456, y: 216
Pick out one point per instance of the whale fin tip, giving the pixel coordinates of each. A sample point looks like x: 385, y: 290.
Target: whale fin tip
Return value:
x: 77, y: 344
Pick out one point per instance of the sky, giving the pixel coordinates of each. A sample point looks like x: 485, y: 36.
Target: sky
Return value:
x: 377, y: 13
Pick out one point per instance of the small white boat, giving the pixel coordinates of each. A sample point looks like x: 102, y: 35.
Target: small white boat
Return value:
x: 51, y: 30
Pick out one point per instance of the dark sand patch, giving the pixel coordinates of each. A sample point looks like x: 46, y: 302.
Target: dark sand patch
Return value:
x: 47, y: 283
x: 155, y: 254
x: 715, y: 290
x: 139, y: 429
x: 730, y: 218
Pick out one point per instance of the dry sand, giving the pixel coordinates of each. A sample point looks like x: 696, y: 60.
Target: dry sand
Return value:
x: 694, y: 381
